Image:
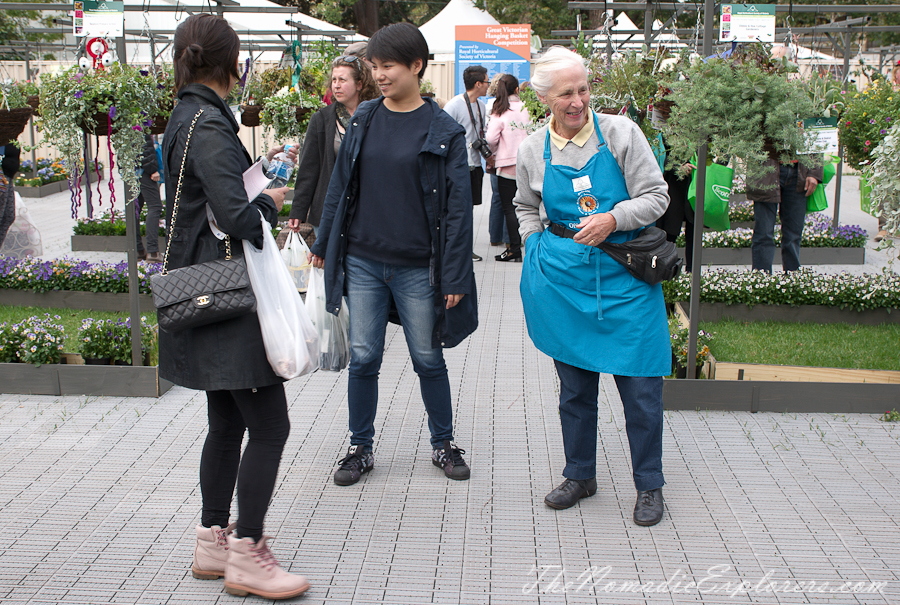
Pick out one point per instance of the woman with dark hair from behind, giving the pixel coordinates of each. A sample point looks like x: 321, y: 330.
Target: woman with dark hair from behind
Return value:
x: 505, y: 133
x: 226, y: 359
x: 351, y: 84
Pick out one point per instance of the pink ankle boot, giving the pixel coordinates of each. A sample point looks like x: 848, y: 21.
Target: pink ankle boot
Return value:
x: 211, y: 552
x: 252, y: 569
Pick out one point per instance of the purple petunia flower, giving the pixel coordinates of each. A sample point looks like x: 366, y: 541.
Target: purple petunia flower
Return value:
x: 79, y: 94
x: 882, y: 131
x: 112, y: 112
x: 144, y: 72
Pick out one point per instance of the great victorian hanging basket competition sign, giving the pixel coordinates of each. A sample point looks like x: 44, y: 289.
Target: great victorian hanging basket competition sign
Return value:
x: 504, y: 49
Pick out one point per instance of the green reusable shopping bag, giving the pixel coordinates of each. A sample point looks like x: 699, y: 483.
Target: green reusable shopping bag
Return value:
x: 817, y: 201
x: 715, y: 203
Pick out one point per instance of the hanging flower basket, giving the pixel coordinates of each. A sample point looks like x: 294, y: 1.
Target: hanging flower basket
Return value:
x: 302, y: 112
x: 35, y: 102
x: 12, y: 123
x: 664, y: 108
x: 250, y: 115
x: 97, y: 125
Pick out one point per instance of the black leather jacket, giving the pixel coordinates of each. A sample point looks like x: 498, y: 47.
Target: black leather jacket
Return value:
x: 228, y: 355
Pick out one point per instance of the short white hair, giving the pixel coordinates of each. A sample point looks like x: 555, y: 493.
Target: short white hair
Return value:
x: 554, y: 60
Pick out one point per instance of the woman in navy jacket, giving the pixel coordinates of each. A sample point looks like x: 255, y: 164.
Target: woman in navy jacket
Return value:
x: 397, y: 229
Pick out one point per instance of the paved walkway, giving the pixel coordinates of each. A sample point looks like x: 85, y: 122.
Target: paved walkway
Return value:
x: 99, y: 496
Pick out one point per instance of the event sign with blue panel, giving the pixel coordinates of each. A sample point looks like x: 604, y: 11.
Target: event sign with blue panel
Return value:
x: 502, y: 49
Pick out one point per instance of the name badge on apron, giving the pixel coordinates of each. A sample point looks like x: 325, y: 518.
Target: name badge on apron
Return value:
x: 581, y: 183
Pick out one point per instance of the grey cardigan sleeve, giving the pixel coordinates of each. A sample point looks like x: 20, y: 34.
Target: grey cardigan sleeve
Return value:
x: 648, y: 191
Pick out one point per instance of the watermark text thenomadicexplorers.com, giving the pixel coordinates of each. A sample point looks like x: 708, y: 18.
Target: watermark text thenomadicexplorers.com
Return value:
x: 555, y: 579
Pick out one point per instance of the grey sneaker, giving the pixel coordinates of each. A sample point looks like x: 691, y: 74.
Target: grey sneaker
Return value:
x: 450, y: 459
x: 358, y: 460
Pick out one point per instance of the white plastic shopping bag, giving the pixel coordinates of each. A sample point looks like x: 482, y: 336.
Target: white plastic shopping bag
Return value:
x: 295, y: 253
x: 333, y: 331
x: 289, y: 336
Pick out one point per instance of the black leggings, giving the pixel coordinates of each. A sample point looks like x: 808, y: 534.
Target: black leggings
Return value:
x: 507, y: 189
x: 263, y: 411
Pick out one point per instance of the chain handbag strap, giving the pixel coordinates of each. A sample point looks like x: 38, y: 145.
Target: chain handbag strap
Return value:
x: 165, y: 269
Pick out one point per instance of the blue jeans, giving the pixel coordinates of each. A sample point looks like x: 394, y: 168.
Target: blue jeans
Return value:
x: 370, y: 287
x: 496, y: 219
x: 642, y: 400
x: 793, y: 215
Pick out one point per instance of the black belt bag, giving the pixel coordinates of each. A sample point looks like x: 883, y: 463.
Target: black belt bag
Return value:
x: 649, y: 257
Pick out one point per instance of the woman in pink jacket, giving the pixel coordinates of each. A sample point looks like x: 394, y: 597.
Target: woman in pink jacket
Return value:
x: 505, y: 133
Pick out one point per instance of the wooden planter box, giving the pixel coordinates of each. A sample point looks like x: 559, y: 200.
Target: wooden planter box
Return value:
x: 808, y: 256
x: 106, y: 243
x: 64, y: 379
x: 71, y: 299
x: 791, y: 397
x: 814, y: 314
x: 51, y: 188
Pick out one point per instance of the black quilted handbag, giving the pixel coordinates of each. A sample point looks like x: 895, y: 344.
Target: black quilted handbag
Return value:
x: 205, y: 293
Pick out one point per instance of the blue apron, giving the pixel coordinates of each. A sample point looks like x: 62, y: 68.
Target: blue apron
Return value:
x: 581, y: 306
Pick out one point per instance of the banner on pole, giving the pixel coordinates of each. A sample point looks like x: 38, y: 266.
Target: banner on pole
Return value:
x: 499, y: 48
x: 747, y: 23
x: 103, y: 18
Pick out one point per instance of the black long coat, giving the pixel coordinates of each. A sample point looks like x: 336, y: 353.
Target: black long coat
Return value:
x: 228, y: 355
x: 316, y: 166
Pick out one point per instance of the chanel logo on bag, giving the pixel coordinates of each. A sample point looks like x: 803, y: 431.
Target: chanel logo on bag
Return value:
x: 203, y: 301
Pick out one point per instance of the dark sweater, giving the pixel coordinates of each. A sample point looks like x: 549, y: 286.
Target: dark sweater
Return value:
x: 390, y: 225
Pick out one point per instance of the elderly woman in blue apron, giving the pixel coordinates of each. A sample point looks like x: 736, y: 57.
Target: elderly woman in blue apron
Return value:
x: 584, y: 179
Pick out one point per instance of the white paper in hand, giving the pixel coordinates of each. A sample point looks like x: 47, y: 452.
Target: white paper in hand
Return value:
x: 255, y: 180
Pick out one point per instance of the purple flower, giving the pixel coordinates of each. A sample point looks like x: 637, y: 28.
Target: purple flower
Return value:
x: 144, y: 72
x: 79, y: 94
x: 78, y: 76
x: 872, y: 121
x: 882, y: 131
x: 112, y: 112
x: 138, y: 128
x: 887, y: 119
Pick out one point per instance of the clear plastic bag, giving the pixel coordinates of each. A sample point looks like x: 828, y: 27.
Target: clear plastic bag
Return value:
x: 333, y: 331
x: 23, y: 238
x: 288, y: 334
x: 295, y: 253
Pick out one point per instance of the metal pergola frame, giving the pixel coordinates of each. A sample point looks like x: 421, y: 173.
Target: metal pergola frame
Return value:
x: 846, y: 28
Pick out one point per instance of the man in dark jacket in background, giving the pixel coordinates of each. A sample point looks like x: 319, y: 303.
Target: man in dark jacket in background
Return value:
x: 149, y: 196
x: 784, y: 191
x: 10, y: 155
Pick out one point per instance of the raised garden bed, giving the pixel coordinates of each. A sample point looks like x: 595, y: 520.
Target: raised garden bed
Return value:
x: 808, y: 256
x: 801, y: 314
x: 51, y: 188
x: 73, y: 299
x: 106, y: 243
x: 66, y: 379
x: 781, y: 397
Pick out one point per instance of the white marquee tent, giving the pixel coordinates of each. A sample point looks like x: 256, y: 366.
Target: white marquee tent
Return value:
x: 440, y: 32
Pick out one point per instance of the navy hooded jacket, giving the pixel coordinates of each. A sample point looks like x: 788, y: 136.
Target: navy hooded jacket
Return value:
x: 444, y: 171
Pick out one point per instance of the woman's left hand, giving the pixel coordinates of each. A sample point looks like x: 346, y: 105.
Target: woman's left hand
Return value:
x: 595, y: 229
x: 453, y: 299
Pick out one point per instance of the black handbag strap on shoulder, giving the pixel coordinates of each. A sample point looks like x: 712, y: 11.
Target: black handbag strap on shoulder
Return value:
x: 187, y: 144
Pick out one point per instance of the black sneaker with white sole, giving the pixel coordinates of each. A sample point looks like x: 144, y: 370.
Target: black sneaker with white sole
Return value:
x: 358, y: 460
x: 449, y: 458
